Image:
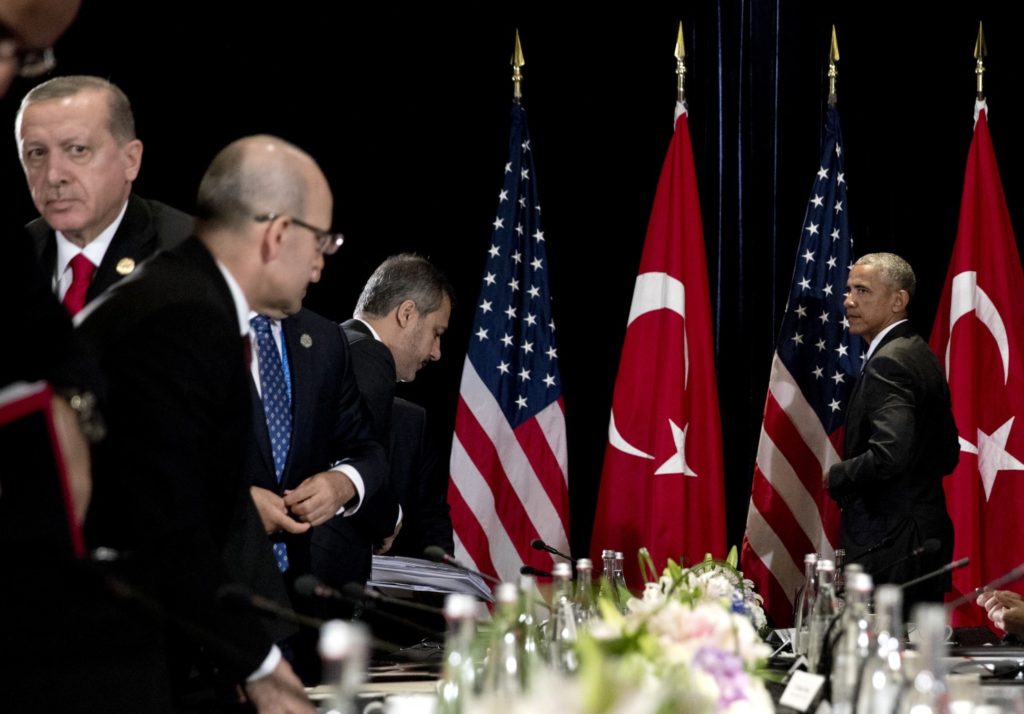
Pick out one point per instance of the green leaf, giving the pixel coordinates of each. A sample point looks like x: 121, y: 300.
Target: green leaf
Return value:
x: 734, y: 557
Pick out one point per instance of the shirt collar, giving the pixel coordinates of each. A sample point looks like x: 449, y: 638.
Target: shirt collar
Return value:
x: 878, y: 338
x: 94, y: 250
x: 238, y: 298
x: 370, y: 328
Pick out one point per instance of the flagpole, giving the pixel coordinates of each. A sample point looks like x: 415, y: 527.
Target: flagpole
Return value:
x: 833, y: 71
x: 680, y: 54
x: 980, y: 52
x: 518, y: 61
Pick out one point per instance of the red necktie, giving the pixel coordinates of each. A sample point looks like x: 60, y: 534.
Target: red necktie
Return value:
x: 81, y: 273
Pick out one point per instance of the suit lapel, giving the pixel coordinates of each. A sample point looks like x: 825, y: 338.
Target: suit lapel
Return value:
x: 855, y: 411
x: 300, y: 361
x: 132, y: 242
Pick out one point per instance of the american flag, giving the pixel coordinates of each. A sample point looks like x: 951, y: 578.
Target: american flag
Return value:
x: 815, y: 365
x: 509, y: 457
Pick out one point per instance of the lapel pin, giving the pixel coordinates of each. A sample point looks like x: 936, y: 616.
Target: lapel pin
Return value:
x: 306, y: 341
x: 125, y: 266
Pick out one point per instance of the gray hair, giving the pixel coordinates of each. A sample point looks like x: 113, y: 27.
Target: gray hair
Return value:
x: 895, y: 271
x: 402, y: 277
x: 120, y: 120
x: 239, y: 185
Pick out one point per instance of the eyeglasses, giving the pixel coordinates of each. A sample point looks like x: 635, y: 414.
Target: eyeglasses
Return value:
x: 31, y: 62
x: 327, y: 242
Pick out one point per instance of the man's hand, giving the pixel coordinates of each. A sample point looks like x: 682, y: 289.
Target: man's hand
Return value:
x: 385, y: 546
x: 280, y: 692
x: 1013, y: 612
x: 320, y: 497
x: 274, y: 513
x: 1005, y: 609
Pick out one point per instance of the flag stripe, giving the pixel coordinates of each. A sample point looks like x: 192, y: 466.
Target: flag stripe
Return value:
x: 499, y: 546
x: 778, y: 602
x: 536, y: 449
x: 482, y: 453
x: 786, y: 393
x: 513, y: 475
x: 767, y: 499
x: 474, y: 556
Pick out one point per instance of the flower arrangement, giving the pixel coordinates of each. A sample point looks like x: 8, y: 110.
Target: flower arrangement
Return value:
x: 690, y: 643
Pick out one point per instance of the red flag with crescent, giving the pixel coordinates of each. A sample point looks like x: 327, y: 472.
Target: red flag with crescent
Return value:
x: 662, y: 484
x: 979, y: 338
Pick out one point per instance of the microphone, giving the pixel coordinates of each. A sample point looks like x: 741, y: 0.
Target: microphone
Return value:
x: 437, y: 554
x: 929, y: 546
x: 1014, y: 574
x: 538, y: 544
x: 880, y: 545
x: 948, y: 567
x: 311, y: 586
x: 239, y: 596
x: 530, y: 570
x: 361, y: 592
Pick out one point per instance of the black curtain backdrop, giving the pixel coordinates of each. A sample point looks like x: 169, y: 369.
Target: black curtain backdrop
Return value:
x: 406, y: 109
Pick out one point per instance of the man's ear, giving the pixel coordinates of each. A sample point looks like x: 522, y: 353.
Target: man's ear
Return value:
x: 902, y: 301
x: 271, y: 238
x: 132, y: 153
x: 405, y: 312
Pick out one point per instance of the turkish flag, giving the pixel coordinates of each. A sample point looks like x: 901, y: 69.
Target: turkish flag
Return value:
x: 662, y: 485
x: 979, y: 337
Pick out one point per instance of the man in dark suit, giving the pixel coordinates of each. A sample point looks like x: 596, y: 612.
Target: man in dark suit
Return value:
x: 331, y: 463
x: 901, y: 438
x: 168, y: 478
x: 76, y: 138
x: 399, y: 319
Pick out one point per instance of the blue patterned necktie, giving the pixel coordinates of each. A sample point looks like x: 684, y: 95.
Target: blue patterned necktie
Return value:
x: 277, y: 407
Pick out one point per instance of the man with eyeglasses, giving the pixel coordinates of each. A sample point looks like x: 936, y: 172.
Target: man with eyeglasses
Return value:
x: 312, y: 460
x: 174, y: 342
x: 78, y: 148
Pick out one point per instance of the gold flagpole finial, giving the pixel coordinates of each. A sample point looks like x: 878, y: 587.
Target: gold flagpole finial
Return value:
x: 980, y: 52
x: 680, y: 65
x: 517, y: 77
x: 833, y: 72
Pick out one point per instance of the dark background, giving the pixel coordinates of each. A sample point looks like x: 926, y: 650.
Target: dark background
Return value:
x: 406, y: 109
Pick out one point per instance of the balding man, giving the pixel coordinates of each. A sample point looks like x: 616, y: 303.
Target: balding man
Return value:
x: 900, y: 437
x: 77, y: 143
x: 174, y: 341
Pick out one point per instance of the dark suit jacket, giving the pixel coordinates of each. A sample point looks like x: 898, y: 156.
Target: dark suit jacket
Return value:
x: 168, y: 479
x: 419, y: 477
x: 418, y: 481
x: 375, y: 373
x: 147, y: 227
x: 901, y: 440
x: 329, y: 425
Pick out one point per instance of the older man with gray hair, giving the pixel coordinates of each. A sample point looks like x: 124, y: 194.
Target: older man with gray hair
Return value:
x: 76, y: 138
x: 900, y: 437
x: 173, y: 341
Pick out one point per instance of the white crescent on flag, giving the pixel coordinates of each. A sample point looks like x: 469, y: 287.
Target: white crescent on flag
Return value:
x: 653, y: 291
x: 965, y: 297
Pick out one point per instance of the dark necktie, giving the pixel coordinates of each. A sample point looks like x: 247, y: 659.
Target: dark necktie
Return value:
x: 81, y: 275
x: 276, y: 407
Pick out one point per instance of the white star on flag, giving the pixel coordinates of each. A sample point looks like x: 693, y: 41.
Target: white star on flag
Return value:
x: 676, y: 464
